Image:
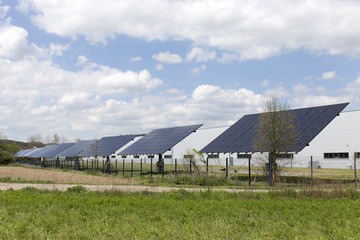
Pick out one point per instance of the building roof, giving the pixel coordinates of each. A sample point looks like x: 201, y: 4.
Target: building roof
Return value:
x: 159, y: 141
x: 309, y: 121
x: 106, y: 145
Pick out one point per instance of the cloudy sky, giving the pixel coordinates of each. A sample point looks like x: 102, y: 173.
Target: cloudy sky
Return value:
x: 88, y: 68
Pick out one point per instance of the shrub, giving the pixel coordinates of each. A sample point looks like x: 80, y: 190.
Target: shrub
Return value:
x: 77, y: 189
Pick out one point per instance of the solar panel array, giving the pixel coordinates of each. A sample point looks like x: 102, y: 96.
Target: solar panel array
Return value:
x: 106, y: 146
x: 42, y: 151
x: 309, y: 121
x: 31, y: 152
x: 159, y: 141
x: 21, y: 153
x: 75, y: 149
x: 56, y: 150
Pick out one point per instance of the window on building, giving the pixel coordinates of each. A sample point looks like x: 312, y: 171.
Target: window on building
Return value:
x: 188, y: 156
x: 167, y: 156
x: 336, y: 155
x: 150, y: 156
x: 285, y: 155
x: 136, y: 156
x: 213, y: 156
x: 357, y: 155
x: 113, y: 156
x: 242, y: 155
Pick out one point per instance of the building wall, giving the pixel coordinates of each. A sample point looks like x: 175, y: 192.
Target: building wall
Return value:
x: 342, y: 135
x: 196, y: 140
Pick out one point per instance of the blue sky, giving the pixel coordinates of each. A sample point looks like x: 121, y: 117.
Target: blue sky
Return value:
x: 87, y: 69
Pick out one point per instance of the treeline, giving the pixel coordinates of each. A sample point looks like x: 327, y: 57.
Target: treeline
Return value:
x: 7, y: 151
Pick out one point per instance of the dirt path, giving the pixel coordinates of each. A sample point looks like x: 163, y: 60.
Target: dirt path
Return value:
x: 64, y: 180
x: 59, y: 177
x: 122, y: 188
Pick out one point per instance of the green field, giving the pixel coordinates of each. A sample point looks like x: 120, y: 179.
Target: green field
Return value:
x: 77, y: 214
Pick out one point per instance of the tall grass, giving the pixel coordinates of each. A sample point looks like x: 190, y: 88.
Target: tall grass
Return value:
x: 78, y: 214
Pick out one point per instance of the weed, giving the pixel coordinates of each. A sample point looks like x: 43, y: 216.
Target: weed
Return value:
x: 77, y: 189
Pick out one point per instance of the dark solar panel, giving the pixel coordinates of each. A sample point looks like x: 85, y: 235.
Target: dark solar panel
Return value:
x: 159, y: 141
x: 31, y: 152
x: 106, y: 145
x: 75, y: 149
x: 43, y: 150
x: 56, y: 150
x: 19, y: 153
x: 309, y: 121
x: 22, y: 152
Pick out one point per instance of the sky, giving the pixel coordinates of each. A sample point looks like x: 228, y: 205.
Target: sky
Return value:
x: 88, y: 69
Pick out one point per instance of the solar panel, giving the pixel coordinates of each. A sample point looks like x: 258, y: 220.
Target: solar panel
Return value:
x: 43, y: 150
x: 159, y: 141
x: 75, y: 149
x: 31, y: 152
x: 56, y: 150
x: 309, y: 121
x: 22, y: 152
x: 106, y: 145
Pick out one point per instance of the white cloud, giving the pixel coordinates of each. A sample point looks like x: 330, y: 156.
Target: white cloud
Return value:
x: 3, y: 11
x: 279, y: 92
x: 159, y: 67
x: 198, y: 69
x: 265, y: 83
x: 57, y: 49
x: 304, y: 96
x: 82, y: 60
x: 328, y: 75
x: 14, y: 44
x: 353, y: 87
x: 252, y: 30
x: 167, y: 57
x: 136, y: 59
x: 200, y: 55
x: 227, y: 58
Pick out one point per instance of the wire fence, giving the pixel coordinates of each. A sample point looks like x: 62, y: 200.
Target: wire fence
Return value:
x: 302, y: 171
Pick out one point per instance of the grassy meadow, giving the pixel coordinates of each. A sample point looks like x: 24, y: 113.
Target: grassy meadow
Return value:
x: 78, y: 214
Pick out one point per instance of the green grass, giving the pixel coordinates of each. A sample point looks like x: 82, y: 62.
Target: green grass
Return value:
x: 77, y: 214
x: 21, y: 180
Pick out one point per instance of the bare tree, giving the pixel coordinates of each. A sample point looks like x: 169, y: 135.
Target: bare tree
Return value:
x: 2, y: 136
x: 56, y: 138
x: 276, y: 131
x: 35, y: 138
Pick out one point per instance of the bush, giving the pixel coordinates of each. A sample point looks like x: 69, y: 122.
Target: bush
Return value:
x: 5, y: 156
x: 77, y: 189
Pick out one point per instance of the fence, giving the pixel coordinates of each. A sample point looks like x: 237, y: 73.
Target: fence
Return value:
x: 249, y: 170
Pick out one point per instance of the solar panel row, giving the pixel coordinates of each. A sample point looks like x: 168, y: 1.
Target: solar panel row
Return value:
x: 106, y: 146
x: 309, y: 121
x: 159, y: 141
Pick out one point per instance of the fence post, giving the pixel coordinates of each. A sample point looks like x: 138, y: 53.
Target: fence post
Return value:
x: 132, y: 166
x: 207, y: 165
x: 103, y: 167
x: 175, y: 166
x: 249, y: 170
x: 311, y: 167
x: 116, y: 167
x: 140, y: 166
x: 355, y: 170
x: 123, y: 167
x: 227, y: 168
x: 269, y: 170
x: 151, y: 166
x: 190, y: 165
x: 163, y: 167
